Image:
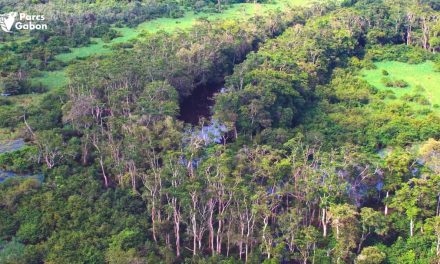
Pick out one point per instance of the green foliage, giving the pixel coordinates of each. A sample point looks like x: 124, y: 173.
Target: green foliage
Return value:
x: 20, y: 161
x: 397, y: 83
x: 371, y: 255
x: 410, y: 251
x: 71, y: 225
x: 401, y: 53
x: 12, y: 252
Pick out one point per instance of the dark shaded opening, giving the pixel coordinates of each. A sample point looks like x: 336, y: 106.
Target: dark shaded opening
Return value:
x: 198, y: 105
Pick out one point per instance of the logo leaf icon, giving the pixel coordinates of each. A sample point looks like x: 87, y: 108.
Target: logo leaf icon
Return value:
x: 7, y: 20
x: 3, y: 24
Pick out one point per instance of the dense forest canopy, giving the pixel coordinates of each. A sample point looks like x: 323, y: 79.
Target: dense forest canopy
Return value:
x: 321, y: 143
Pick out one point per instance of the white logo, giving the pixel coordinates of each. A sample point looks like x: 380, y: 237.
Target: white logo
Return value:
x: 25, y: 21
x: 7, y: 20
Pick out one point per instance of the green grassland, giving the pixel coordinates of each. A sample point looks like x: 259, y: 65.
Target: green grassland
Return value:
x: 421, y: 78
x: 51, y: 79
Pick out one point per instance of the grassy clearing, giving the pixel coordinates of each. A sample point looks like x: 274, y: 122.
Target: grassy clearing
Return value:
x: 51, y: 80
x: 416, y: 75
x: 236, y: 11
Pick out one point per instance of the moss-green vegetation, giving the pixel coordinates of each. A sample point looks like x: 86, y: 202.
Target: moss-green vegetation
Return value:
x: 422, y: 79
x: 51, y: 79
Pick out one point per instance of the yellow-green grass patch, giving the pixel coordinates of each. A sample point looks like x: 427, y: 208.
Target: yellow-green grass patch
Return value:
x: 51, y: 79
x: 417, y: 76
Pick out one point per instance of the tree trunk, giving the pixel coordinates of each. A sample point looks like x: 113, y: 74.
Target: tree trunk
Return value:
x: 324, y: 222
x: 228, y: 239
x: 240, y: 243
x: 337, y: 231
x: 425, y: 30
x: 194, y: 222
x: 103, y: 171
x: 176, y: 226
x: 266, y: 222
x: 361, y: 241
x: 386, y: 205
x: 438, y: 205
x: 211, y: 226
x: 153, y: 220
x: 85, y: 150
x: 219, y: 236
x: 438, y: 245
